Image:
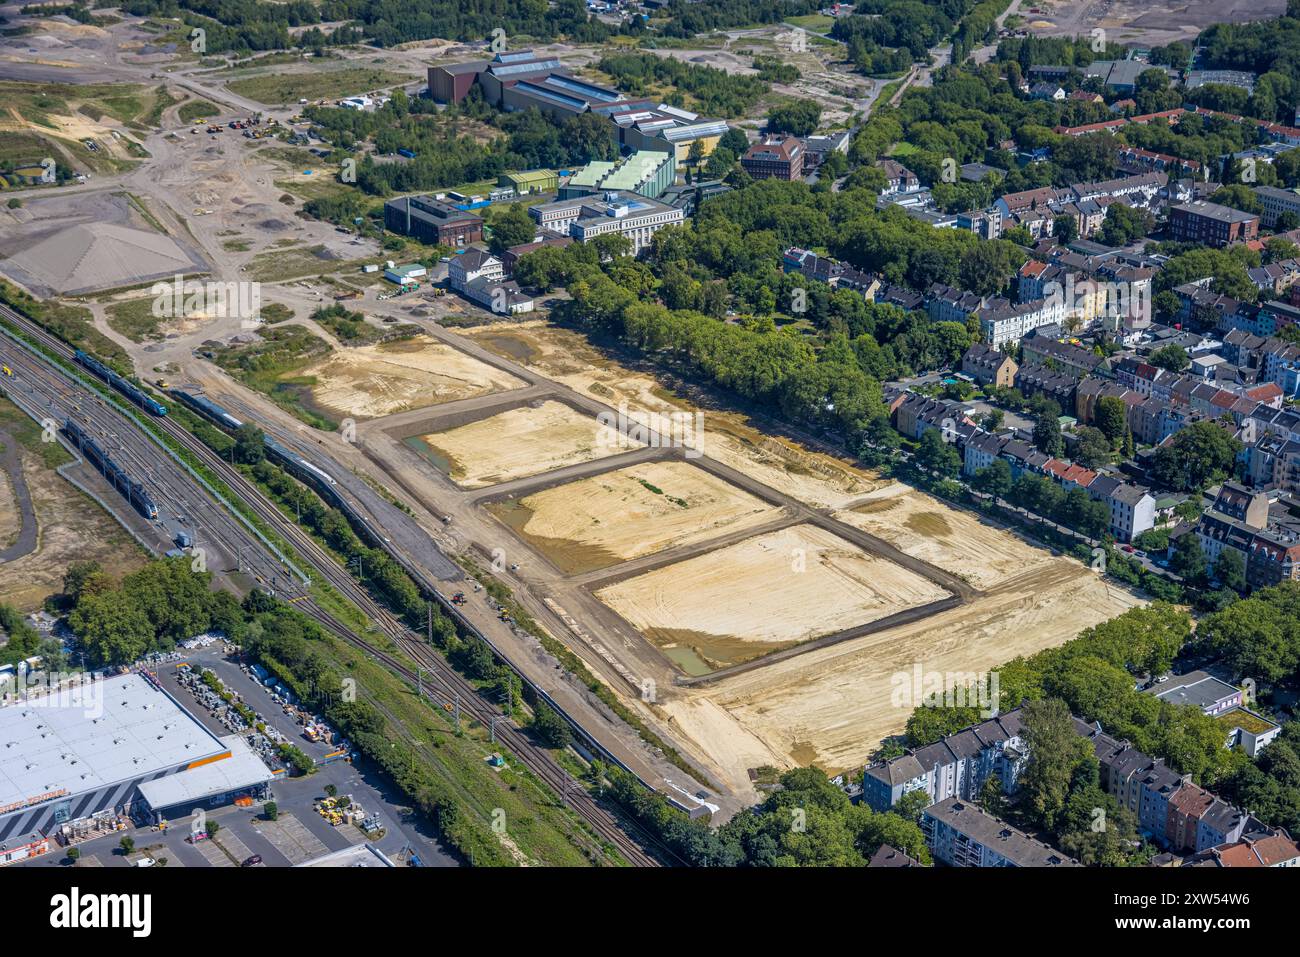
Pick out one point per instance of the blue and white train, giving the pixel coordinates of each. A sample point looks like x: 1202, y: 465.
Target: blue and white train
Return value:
x: 124, y: 386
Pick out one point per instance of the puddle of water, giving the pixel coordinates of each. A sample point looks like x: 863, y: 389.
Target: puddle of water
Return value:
x: 570, y: 557
x: 441, y: 461
x: 512, y: 347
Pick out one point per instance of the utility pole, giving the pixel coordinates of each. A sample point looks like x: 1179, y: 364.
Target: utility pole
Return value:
x: 429, y: 621
x: 457, y: 712
x: 419, y: 682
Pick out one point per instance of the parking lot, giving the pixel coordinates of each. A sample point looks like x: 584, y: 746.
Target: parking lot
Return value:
x: 299, y: 833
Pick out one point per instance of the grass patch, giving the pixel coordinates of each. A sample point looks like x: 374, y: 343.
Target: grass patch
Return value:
x: 73, y: 324
x: 134, y: 319
x: 816, y: 22
x: 27, y: 433
x: 270, y: 364
x: 277, y: 88
x: 297, y: 263
x: 197, y: 110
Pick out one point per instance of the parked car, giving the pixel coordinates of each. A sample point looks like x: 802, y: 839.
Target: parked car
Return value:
x: 255, y: 859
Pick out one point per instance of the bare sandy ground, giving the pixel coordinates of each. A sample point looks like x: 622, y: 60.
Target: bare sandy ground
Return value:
x: 72, y: 528
x: 829, y: 706
x: 523, y: 441
x: 371, y: 381
x: 765, y: 593
x: 957, y: 540
x: 832, y: 706
x: 617, y: 516
x: 820, y: 480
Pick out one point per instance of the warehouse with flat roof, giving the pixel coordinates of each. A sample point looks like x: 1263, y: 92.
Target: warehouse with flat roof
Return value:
x: 95, y: 748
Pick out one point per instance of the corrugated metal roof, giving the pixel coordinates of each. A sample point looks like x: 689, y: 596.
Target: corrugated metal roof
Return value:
x: 104, y: 732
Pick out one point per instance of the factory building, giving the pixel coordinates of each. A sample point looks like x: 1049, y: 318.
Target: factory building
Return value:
x: 432, y: 221
x: 646, y: 172
x: 117, y: 746
x: 521, y: 80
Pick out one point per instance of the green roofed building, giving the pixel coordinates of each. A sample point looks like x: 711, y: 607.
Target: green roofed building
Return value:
x: 646, y: 172
x: 533, y: 181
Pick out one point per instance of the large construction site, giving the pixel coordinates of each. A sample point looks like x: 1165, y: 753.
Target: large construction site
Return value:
x: 767, y: 592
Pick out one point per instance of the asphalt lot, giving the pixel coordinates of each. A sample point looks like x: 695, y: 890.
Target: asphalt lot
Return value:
x: 299, y: 833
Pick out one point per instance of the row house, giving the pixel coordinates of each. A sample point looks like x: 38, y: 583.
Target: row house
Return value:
x: 987, y: 365
x: 915, y: 414
x: 1132, y: 507
x: 1065, y: 356
x: 1169, y: 808
x: 1271, y: 848
x: 981, y: 450
x: 1272, y: 460
x: 1148, y: 381
x: 949, y: 304
x: 1275, y: 278
x: 1060, y: 387
x: 1134, y: 159
x: 1092, y: 389
x: 1002, y: 321
x: 834, y: 273
x: 956, y: 766
x: 1136, y: 191
x: 1151, y: 421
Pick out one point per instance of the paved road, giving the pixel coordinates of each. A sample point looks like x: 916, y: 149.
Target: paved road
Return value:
x: 11, y: 462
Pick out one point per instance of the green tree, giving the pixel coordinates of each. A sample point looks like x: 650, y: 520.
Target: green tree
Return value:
x: 1047, y: 435
x: 512, y: 227
x: 271, y: 810
x: 1202, y: 453
x: 550, y: 728
x: 1171, y: 357
x: 1091, y: 447
x: 1188, y: 559
x: 250, y: 447
x: 1112, y: 418
x: 1230, y: 569
x: 995, y: 480
x: 936, y: 455
x: 1055, y: 752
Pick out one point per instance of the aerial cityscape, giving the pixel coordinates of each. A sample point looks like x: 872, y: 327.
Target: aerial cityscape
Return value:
x: 649, y: 433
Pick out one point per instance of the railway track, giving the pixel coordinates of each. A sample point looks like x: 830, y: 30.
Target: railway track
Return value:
x: 435, y: 674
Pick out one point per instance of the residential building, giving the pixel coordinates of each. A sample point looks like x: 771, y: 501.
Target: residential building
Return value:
x: 898, y: 178
x: 887, y: 856
x: 1211, y: 224
x: 480, y: 277
x: 1063, y: 356
x: 1200, y: 690
x: 1275, y: 202
x: 956, y: 767
x: 987, y: 365
x: 960, y: 834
